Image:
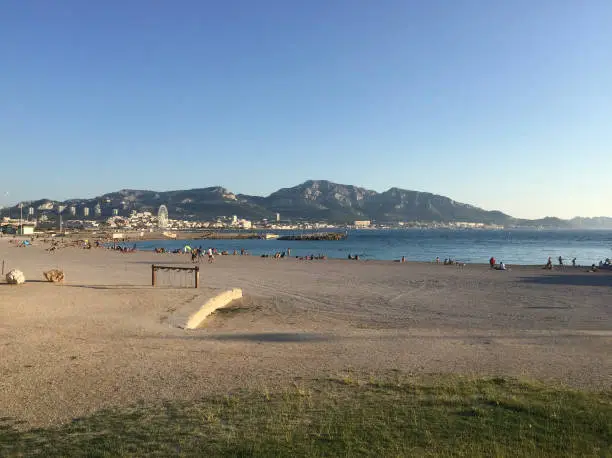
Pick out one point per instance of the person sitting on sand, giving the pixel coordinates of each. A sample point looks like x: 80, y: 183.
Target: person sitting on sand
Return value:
x: 502, y: 266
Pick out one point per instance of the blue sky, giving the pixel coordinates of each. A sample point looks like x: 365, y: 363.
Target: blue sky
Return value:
x: 502, y: 104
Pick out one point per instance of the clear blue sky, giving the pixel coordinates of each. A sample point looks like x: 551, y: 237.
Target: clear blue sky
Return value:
x: 502, y: 104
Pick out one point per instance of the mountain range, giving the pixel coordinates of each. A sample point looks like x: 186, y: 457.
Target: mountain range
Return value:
x: 313, y: 200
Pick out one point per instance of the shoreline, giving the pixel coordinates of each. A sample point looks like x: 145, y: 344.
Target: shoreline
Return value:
x: 108, y: 247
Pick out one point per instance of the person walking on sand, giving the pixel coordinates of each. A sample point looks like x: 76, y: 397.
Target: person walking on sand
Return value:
x: 574, y: 262
x: 560, y: 261
x: 492, y: 262
x: 211, y: 256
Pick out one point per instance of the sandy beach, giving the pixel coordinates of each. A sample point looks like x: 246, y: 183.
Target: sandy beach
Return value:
x: 104, y: 338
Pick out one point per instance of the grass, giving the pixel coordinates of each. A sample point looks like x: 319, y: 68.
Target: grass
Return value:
x: 352, y: 415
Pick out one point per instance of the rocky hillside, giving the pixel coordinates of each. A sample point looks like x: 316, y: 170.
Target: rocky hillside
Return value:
x: 337, y: 202
x: 311, y: 200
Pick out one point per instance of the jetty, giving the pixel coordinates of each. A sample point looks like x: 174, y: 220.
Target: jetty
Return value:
x: 328, y: 236
x: 210, y: 235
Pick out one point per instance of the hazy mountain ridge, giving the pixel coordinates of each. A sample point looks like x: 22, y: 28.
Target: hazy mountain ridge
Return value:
x: 311, y: 200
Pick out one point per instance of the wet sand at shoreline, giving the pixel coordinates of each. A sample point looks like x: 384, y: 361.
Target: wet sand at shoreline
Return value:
x: 103, y: 339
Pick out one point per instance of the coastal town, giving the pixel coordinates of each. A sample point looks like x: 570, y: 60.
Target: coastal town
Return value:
x: 50, y: 218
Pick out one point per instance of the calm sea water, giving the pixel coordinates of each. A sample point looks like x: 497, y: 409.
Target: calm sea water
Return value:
x: 472, y: 246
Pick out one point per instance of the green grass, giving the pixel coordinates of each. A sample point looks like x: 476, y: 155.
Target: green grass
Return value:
x: 388, y: 416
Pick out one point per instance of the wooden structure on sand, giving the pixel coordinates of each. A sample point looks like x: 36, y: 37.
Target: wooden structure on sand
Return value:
x: 195, y: 270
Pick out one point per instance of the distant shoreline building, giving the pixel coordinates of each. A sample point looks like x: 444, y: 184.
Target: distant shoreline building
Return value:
x: 362, y: 224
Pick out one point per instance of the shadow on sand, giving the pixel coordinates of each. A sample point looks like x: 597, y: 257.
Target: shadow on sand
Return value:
x: 4, y: 283
x: 273, y: 337
x: 584, y: 279
x: 121, y: 287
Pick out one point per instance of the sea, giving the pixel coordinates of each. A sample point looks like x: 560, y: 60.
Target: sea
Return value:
x: 518, y: 246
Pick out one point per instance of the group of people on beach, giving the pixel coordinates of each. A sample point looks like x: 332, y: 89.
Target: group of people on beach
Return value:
x: 549, y: 263
x: 494, y: 265
x: 199, y: 252
x: 122, y: 249
x: 603, y: 265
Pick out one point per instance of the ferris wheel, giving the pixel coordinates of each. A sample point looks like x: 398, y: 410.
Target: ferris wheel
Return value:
x: 162, y: 217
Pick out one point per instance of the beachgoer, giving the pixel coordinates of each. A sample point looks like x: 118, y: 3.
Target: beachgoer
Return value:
x: 492, y: 262
x: 502, y: 266
x: 560, y: 261
x: 211, y: 257
x: 574, y: 262
x: 437, y: 259
x: 403, y: 259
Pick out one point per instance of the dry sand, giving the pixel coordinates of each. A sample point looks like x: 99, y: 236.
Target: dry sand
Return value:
x: 105, y: 339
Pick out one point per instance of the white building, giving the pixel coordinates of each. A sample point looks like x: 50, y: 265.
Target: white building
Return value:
x: 86, y: 212
x: 245, y: 224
